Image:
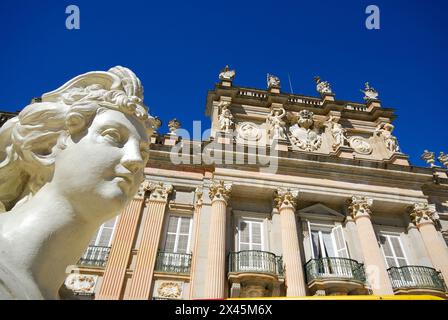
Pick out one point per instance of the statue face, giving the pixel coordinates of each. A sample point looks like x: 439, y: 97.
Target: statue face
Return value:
x: 100, y: 170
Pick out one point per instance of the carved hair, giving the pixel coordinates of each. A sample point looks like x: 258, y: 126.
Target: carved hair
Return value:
x: 33, y: 138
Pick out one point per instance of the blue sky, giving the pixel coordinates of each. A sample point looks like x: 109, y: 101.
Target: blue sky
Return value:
x: 178, y: 48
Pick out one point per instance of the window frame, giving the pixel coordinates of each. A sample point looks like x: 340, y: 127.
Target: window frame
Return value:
x: 100, y: 232
x: 179, y: 223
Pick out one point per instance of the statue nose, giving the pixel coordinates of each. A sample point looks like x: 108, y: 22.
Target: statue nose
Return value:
x: 133, y: 165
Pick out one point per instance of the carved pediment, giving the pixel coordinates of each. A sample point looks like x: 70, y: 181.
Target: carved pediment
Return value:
x: 320, y: 211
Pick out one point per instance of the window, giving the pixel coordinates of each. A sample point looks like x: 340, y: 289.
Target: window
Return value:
x: 178, y: 234
x: 395, y: 257
x: 103, y: 236
x: 327, y: 241
x: 392, y: 250
x: 250, y: 235
x: 250, y: 246
x: 328, y: 244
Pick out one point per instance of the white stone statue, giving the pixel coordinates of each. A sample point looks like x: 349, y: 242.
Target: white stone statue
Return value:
x: 276, y: 125
x: 227, y: 74
x: 323, y: 87
x: 272, y: 81
x: 369, y: 93
x: 429, y: 157
x: 303, y: 134
x: 443, y: 159
x: 337, y: 131
x: 67, y: 164
x: 225, y: 118
x: 384, y: 131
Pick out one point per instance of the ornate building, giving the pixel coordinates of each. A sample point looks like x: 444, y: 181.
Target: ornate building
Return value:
x: 291, y: 195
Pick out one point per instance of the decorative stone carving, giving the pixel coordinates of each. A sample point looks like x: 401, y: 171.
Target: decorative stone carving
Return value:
x: 369, y: 93
x: 199, y: 192
x: 157, y: 124
x: 219, y: 190
x: 272, y: 81
x: 286, y: 198
x: 323, y: 87
x: 429, y: 157
x: 443, y: 159
x: 82, y: 284
x: 422, y: 213
x: 360, y: 145
x: 359, y: 206
x: 173, y: 125
x: 384, y: 131
x: 303, y: 134
x: 337, y: 131
x: 72, y: 161
x: 249, y: 131
x: 160, y: 191
x: 144, y: 186
x: 227, y: 74
x: 225, y: 117
x: 170, y: 290
x: 276, y: 125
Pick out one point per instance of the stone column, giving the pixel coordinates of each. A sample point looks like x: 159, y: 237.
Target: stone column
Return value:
x: 424, y: 216
x: 196, y: 224
x: 216, y: 255
x: 149, y: 244
x: 360, y: 209
x: 286, y: 202
x: 117, y: 263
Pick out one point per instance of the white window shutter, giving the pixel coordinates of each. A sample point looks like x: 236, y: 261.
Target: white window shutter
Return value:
x: 339, y: 239
x: 250, y: 235
x: 392, y: 250
x: 310, y: 237
x: 103, y: 236
x: 178, y: 235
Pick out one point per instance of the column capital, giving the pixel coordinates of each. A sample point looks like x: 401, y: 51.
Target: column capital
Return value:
x: 286, y: 198
x: 359, y: 206
x: 144, y: 186
x: 159, y: 191
x: 219, y: 190
x: 198, y: 193
x: 422, y: 213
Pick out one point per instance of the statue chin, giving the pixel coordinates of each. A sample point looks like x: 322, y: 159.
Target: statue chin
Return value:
x: 85, y: 163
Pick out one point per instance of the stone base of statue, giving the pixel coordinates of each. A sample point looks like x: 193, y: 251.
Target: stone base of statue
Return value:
x: 343, y: 152
x: 224, y: 137
x: 399, y: 158
x: 279, y: 144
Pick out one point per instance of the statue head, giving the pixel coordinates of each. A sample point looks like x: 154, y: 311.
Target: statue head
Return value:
x: 89, y: 137
x: 305, y: 119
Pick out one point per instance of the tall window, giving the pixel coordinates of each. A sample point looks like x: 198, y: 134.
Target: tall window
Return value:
x: 327, y: 242
x: 103, y: 236
x: 392, y: 250
x: 178, y: 234
x: 250, y: 235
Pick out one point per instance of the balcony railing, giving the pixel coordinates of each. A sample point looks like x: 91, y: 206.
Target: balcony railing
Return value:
x: 95, y: 256
x: 173, y: 262
x: 416, y: 277
x: 335, y: 268
x: 255, y: 261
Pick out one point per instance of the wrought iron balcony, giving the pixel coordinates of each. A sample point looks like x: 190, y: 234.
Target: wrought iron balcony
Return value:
x: 173, y: 262
x: 255, y: 261
x: 335, y: 269
x: 95, y: 256
x: 416, y: 277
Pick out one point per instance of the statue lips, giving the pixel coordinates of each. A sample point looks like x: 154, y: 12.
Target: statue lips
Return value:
x: 125, y: 180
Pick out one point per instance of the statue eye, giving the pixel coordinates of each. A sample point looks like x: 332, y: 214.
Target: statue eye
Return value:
x: 112, y: 134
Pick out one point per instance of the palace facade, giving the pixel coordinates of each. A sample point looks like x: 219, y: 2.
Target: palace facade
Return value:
x: 291, y: 195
